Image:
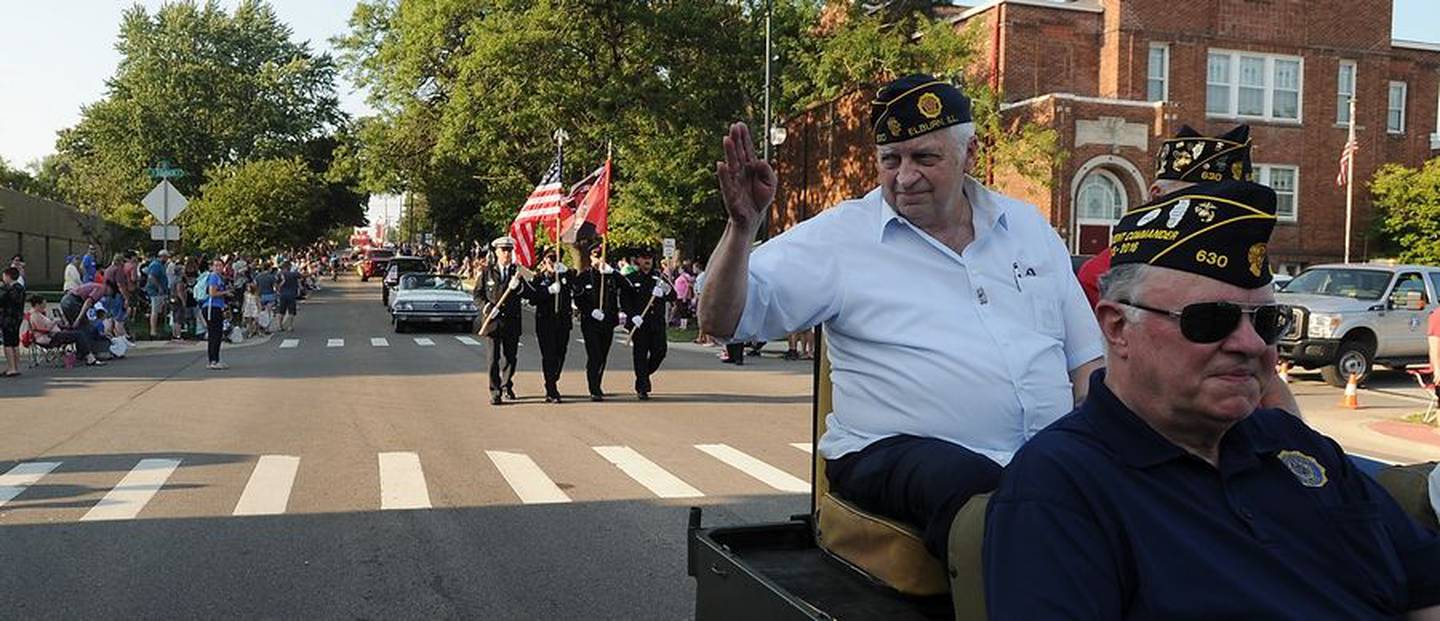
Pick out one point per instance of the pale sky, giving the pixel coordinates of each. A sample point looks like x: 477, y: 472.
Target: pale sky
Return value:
x: 56, y: 54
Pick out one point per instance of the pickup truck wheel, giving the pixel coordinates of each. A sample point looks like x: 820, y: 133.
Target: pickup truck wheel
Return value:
x: 1353, y: 357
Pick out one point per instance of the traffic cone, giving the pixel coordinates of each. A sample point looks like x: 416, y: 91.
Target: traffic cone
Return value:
x: 1283, y: 370
x: 1352, y: 396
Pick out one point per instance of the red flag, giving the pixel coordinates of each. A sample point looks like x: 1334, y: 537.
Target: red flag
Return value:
x: 543, y: 204
x: 1347, y: 157
x: 593, y: 209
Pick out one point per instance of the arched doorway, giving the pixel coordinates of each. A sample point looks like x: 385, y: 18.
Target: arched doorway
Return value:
x: 1098, y: 206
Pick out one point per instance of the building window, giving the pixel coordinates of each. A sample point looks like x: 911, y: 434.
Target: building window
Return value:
x: 1344, y: 90
x: 1157, y: 81
x: 1102, y: 198
x: 1395, y: 111
x: 1285, y: 181
x: 1260, y: 86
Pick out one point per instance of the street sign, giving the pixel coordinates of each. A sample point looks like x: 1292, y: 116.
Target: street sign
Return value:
x: 163, y: 170
x: 165, y: 232
x: 165, y: 202
x: 668, y: 247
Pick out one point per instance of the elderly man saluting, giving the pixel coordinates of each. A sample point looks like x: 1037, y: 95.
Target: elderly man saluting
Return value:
x: 1169, y: 494
x: 956, y: 329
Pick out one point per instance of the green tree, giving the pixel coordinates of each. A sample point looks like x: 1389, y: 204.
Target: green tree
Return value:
x: 259, y: 206
x: 203, y: 88
x: 1407, y: 211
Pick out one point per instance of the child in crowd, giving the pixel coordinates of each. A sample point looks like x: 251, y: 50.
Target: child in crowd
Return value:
x: 251, y: 310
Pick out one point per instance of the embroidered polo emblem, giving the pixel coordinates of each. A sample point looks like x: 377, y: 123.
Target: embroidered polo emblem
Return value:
x: 1305, y: 468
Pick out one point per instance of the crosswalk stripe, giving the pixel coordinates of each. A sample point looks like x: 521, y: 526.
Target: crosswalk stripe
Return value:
x: 379, y: 342
x: 289, y: 343
x: 268, y: 491
x: 804, y: 446
x: 335, y: 343
x: 23, y: 476
x: 125, y: 501
x: 526, y: 478
x: 647, y: 473
x: 765, y: 473
x: 467, y: 340
x: 402, y: 482
x: 424, y: 341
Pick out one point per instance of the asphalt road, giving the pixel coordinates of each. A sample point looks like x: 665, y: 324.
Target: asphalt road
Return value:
x: 326, y: 480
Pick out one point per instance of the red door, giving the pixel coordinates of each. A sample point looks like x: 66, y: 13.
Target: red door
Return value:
x: 1094, y: 238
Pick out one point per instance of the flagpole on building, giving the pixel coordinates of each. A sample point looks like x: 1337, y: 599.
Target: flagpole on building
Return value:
x: 1349, y: 180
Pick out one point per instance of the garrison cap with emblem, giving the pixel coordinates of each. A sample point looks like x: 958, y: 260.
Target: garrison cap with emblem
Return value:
x: 1192, y: 157
x: 916, y: 105
x: 1219, y: 230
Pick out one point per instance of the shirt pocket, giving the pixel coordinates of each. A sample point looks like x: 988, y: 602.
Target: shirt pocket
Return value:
x: 1366, y: 558
x: 1042, y: 295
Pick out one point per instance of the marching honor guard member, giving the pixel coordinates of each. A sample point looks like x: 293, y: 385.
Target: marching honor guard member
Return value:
x: 955, y: 327
x: 551, y: 295
x: 597, y: 296
x: 644, y: 302
x: 1173, y: 492
x: 503, y: 285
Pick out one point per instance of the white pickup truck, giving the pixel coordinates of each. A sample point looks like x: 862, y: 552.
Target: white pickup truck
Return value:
x: 1348, y: 317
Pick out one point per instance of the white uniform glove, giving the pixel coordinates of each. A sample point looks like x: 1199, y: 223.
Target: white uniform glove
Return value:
x: 623, y: 317
x: 598, y: 314
x: 606, y: 269
x: 554, y: 288
x: 560, y: 268
x: 660, y: 290
x: 514, y: 283
x: 494, y: 312
x: 638, y: 320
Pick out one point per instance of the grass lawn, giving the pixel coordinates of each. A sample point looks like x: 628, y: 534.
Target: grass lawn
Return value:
x: 676, y: 335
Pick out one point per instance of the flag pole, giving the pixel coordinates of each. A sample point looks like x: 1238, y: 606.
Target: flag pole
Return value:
x: 604, y: 239
x: 560, y: 137
x: 1349, y: 180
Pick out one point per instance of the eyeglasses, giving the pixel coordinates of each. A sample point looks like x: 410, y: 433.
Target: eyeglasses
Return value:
x: 1211, y: 322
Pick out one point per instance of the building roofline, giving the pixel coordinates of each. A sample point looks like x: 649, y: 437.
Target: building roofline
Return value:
x: 1083, y: 6
x: 1081, y: 98
x: 1415, y: 45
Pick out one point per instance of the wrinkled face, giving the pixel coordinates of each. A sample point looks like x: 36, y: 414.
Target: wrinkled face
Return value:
x: 922, y: 175
x: 1207, y: 383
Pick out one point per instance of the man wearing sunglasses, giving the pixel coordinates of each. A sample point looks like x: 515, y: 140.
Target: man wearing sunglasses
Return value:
x: 1171, y: 492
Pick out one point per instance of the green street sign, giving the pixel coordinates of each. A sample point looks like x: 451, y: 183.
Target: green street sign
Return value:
x: 163, y: 170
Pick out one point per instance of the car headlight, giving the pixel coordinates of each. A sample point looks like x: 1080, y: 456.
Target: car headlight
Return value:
x: 404, y: 306
x: 1323, y: 325
x: 469, y: 306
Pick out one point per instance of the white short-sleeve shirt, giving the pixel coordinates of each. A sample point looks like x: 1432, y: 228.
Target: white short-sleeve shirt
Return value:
x: 972, y: 348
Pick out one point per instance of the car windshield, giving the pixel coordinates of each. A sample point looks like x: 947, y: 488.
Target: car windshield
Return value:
x: 381, y: 254
x: 408, y: 265
x: 1341, y: 282
x: 431, y: 281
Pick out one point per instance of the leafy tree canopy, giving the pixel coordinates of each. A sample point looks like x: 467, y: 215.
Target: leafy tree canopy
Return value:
x: 259, y: 206
x: 1407, y: 211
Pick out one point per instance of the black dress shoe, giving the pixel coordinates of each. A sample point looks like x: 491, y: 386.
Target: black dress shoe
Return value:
x: 644, y: 396
x: 510, y: 394
x: 549, y: 399
x: 596, y: 398
x: 558, y: 399
x: 495, y: 400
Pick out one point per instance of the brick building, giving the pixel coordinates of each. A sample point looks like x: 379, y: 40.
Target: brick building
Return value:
x: 1115, y: 77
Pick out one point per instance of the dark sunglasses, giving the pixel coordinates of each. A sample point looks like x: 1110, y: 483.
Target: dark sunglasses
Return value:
x: 1211, y: 322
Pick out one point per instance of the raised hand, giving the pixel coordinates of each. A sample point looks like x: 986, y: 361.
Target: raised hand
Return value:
x: 747, y: 183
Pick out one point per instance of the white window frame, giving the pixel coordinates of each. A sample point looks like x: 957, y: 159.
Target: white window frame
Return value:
x: 1164, y: 71
x: 1119, y: 185
x: 1233, y: 85
x: 1262, y: 177
x: 1342, y: 98
x: 1404, y: 94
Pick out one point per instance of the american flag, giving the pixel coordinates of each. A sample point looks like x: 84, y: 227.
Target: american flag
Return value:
x: 544, y: 203
x: 1347, y: 157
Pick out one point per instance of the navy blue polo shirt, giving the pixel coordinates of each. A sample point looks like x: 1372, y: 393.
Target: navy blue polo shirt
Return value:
x: 1100, y: 517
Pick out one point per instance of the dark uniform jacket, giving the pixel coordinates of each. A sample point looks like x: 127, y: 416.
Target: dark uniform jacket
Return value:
x: 492, y: 287
x: 636, y: 295
x: 586, y: 292
x: 546, y: 313
x: 1100, y: 517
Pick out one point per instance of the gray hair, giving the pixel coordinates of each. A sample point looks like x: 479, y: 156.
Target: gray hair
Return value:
x: 1125, y: 283
x: 961, y: 134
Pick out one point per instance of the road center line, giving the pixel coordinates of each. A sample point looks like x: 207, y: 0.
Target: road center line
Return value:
x: 15, y: 481
x: 526, y: 478
x: 424, y: 341
x: 647, y: 473
x: 379, y: 342
x: 763, y: 472
x: 125, y: 501
x: 402, y: 482
x: 268, y: 491
x: 335, y: 343
x: 289, y: 343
